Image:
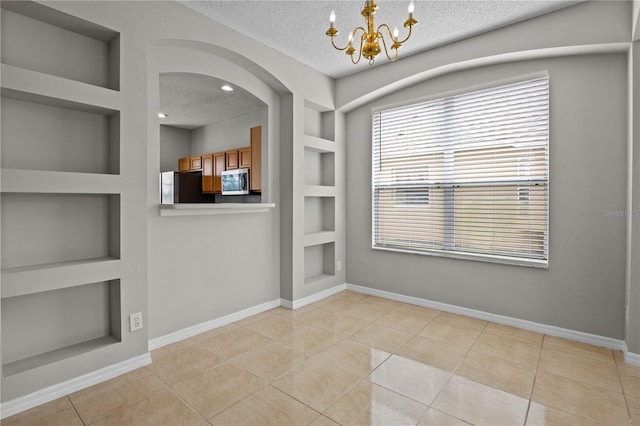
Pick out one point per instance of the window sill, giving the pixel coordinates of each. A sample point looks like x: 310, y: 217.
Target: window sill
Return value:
x: 194, y: 209
x: 531, y: 263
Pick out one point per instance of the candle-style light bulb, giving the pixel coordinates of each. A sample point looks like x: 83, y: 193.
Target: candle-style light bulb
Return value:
x: 350, y: 37
x: 332, y: 19
x: 395, y: 33
x: 411, y: 6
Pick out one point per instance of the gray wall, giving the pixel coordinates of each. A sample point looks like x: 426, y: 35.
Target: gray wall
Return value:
x: 584, y: 287
x: 174, y: 143
x: 633, y: 303
x: 227, y: 134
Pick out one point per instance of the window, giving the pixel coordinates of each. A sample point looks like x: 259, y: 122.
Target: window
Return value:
x: 465, y: 175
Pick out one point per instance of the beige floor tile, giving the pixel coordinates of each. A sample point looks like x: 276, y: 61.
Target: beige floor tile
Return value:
x: 58, y: 412
x: 468, y: 322
x: 162, y: 409
x: 324, y: 421
x: 310, y: 340
x: 434, y: 353
x: 630, y: 378
x: 410, y: 378
x: 275, y: 327
x: 581, y: 369
x: 452, y: 332
x: 380, y: 303
x: 577, y: 348
x: 370, y: 404
x: 580, y: 399
x: 268, y: 406
x: 508, y: 349
x: 479, y: 404
x: 305, y: 314
x: 97, y: 402
x: 438, y: 418
x: 235, y: 342
x: 541, y: 415
x: 515, y: 333
x: 254, y: 318
x: 172, y: 347
x: 215, y: 332
x: 407, y: 320
x: 354, y: 357
x: 184, y: 363
x: 339, y: 324
x: 270, y: 361
x: 365, y: 310
x: 634, y: 408
x: 496, y: 372
x: 216, y: 390
x: 316, y: 384
x: 381, y: 337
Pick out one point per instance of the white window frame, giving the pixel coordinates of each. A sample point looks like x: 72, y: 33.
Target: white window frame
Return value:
x: 504, y: 259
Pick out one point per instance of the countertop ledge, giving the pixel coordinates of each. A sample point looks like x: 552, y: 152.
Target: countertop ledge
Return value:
x: 193, y: 209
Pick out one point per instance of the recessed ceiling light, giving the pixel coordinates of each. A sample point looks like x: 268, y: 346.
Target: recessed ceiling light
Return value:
x: 227, y: 88
x: 162, y: 115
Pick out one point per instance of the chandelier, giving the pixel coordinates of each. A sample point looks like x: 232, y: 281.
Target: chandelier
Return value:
x: 371, y: 36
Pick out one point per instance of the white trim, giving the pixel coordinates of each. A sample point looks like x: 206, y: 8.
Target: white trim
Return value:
x: 313, y: 298
x: 551, y: 330
x: 17, y: 405
x: 194, y: 330
x: 630, y: 357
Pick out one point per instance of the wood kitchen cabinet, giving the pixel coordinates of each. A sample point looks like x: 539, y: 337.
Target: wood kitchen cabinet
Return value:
x: 232, y: 159
x: 190, y: 164
x: 207, y: 174
x: 255, y: 175
x: 219, y: 164
x: 244, y: 157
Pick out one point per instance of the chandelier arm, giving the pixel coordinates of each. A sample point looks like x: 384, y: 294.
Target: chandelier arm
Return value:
x: 348, y: 43
x: 360, y: 49
x: 388, y: 30
x: 384, y: 43
x: 408, y: 35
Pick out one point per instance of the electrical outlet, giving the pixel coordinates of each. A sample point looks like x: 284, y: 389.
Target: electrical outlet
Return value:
x: 135, y: 321
x: 339, y: 265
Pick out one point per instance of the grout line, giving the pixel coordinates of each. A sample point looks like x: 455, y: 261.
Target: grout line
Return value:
x: 75, y: 409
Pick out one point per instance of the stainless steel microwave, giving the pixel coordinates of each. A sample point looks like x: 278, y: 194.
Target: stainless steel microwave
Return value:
x: 235, y: 182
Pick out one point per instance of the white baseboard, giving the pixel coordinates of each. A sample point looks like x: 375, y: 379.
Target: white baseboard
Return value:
x: 551, y: 330
x: 194, y: 330
x: 313, y: 298
x: 15, y: 406
x: 630, y: 357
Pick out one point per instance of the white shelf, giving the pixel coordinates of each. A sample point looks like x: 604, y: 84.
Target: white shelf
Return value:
x: 56, y: 355
x: 317, y: 279
x: 317, y: 238
x: 316, y: 144
x: 41, y: 182
x: 53, y: 276
x: 191, y: 209
x: 27, y: 85
x: 319, y: 191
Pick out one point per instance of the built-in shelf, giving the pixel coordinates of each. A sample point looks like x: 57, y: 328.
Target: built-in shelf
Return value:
x: 317, y: 238
x: 317, y: 279
x: 42, y: 182
x: 32, y: 86
x: 313, y: 143
x: 36, y: 361
x: 192, y: 209
x: 24, y: 280
x: 319, y: 191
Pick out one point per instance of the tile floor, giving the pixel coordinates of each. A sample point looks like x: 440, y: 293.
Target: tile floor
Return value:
x: 353, y: 359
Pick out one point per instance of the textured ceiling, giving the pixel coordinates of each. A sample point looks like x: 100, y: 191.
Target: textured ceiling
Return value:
x: 297, y: 28
x: 194, y: 100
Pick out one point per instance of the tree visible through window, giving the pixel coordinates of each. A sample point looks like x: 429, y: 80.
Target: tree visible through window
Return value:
x: 465, y: 174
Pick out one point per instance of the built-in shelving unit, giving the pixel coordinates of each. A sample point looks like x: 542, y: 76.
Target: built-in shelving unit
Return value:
x: 60, y: 188
x: 319, y: 198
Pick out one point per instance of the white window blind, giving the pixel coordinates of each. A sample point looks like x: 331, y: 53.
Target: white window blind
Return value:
x: 465, y: 175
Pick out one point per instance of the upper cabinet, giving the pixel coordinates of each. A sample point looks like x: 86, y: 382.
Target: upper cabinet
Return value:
x: 244, y: 155
x: 255, y: 177
x: 190, y: 164
x: 232, y: 159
